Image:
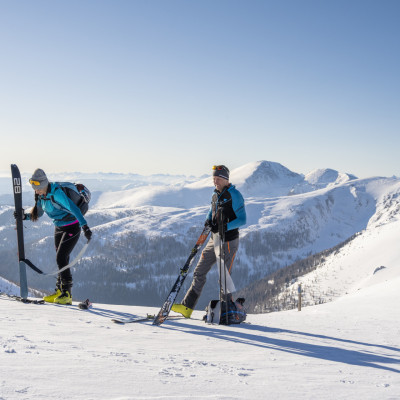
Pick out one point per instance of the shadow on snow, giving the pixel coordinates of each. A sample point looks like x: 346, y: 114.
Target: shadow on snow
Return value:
x: 366, y: 355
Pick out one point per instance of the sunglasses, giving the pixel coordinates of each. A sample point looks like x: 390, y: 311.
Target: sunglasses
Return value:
x: 35, y: 183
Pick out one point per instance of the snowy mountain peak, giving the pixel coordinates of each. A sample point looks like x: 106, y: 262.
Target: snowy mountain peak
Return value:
x: 265, y: 178
x: 326, y: 176
x: 263, y: 171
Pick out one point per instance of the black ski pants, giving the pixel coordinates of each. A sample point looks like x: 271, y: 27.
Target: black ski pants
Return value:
x: 65, y: 239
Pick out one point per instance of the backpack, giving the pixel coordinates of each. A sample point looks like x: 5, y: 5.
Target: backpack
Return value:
x: 77, y: 192
x: 217, y: 312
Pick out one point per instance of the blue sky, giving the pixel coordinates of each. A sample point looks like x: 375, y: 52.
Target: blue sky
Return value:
x: 175, y: 86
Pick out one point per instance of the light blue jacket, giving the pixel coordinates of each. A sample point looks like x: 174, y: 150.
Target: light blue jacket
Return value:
x: 59, y: 207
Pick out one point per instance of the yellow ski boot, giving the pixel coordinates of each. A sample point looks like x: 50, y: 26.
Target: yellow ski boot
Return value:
x: 181, y: 309
x: 64, y: 298
x: 51, y: 297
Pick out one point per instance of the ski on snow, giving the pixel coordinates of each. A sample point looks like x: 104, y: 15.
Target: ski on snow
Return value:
x: 166, y: 307
x: 133, y: 319
x: 21, y: 299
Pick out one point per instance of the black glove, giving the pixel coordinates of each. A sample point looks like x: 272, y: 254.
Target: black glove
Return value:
x: 87, y: 232
x: 212, y: 225
x: 16, y: 215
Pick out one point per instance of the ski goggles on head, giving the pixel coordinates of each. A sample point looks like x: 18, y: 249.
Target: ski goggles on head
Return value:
x: 35, y: 183
x: 220, y: 168
x: 221, y: 171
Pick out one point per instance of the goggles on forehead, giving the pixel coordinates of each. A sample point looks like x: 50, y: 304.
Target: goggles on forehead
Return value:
x: 220, y: 168
x: 35, y: 183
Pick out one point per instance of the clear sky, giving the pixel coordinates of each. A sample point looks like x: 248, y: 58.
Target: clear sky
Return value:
x: 175, y: 86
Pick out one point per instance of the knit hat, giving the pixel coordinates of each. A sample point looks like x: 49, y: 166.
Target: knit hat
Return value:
x: 221, y: 171
x: 39, y: 180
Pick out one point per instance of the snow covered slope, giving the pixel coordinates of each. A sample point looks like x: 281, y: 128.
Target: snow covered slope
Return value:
x: 345, y: 349
x: 371, y: 257
x: 8, y: 287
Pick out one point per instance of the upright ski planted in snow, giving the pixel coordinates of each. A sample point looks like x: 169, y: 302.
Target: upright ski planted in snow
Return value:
x: 17, y: 190
x: 166, y: 307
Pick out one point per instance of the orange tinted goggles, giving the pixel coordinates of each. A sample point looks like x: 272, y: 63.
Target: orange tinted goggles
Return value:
x: 35, y: 183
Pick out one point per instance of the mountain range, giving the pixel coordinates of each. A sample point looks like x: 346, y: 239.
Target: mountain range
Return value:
x: 144, y: 227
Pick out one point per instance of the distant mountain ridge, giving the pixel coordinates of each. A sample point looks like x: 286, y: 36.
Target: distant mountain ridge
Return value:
x: 257, y: 179
x: 142, y: 235
x: 261, y: 178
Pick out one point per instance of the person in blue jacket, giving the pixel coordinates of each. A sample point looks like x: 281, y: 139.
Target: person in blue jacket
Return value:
x: 68, y: 221
x: 226, y: 214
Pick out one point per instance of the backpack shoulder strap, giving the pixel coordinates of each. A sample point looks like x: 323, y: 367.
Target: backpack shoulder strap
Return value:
x: 52, y: 199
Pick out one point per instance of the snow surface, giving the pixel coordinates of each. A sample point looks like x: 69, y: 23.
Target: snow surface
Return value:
x: 348, y: 348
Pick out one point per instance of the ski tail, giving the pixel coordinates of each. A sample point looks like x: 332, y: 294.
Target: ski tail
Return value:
x: 166, y: 307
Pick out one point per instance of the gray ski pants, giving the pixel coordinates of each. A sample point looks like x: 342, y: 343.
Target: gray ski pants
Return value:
x: 207, y: 260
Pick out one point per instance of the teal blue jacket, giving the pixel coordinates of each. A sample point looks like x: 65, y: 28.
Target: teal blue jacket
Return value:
x: 59, y: 207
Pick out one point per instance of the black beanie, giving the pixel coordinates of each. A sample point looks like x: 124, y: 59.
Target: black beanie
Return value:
x: 221, y: 171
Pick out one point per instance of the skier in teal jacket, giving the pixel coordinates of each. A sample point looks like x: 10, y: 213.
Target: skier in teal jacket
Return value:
x: 68, y: 220
x: 58, y: 206
x: 227, y: 213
